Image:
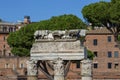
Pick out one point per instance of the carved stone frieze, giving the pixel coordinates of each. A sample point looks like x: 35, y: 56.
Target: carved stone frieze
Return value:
x: 56, y: 46
x: 58, y: 34
x: 86, y: 70
x: 32, y: 67
x: 58, y: 69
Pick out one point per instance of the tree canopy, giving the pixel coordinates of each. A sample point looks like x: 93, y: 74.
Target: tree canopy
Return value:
x: 104, y: 14
x: 21, y: 41
x: 90, y: 55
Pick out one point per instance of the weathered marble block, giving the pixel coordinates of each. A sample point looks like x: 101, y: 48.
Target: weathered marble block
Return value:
x: 67, y: 49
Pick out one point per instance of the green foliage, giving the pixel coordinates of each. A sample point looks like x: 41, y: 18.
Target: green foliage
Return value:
x: 105, y: 14
x: 115, y: 1
x: 20, y: 51
x: 21, y: 41
x: 96, y: 13
x: 61, y: 23
x: 90, y: 55
x: 118, y: 37
x: 114, y: 12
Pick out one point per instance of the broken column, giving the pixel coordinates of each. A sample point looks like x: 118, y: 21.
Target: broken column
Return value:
x: 58, y: 69
x: 32, y: 70
x: 86, y: 70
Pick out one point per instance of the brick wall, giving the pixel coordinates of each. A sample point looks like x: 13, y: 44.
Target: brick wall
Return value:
x: 4, y: 47
x: 102, y: 48
x: 13, y: 66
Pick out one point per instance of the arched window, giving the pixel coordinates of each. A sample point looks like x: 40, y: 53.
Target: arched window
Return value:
x: 4, y: 29
x: 10, y: 29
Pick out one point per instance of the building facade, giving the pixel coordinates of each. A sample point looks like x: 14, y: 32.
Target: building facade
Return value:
x: 14, y: 68
x: 11, y: 66
x: 5, y: 29
x: 106, y: 63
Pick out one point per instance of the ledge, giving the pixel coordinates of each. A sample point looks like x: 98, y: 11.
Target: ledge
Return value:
x: 55, y: 40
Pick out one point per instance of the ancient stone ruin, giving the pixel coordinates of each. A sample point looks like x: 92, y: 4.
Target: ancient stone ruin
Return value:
x: 56, y: 50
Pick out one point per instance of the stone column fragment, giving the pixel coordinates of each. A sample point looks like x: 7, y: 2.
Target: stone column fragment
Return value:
x: 58, y: 69
x: 32, y: 70
x: 86, y: 70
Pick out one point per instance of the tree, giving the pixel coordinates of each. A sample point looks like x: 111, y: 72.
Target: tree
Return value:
x: 21, y: 41
x: 90, y: 55
x: 105, y: 14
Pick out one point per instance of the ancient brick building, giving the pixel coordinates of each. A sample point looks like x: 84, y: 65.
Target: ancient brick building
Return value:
x: 5, y: 29
x: 106, y: 63
x: 11, y: 67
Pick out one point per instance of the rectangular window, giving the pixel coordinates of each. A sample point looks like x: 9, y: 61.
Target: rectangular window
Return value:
x: 109, y: 39
x: 13, y: 67
x: 109, y: 65
x: 9, y: 54
x: 95, y: 42
x: 116, y: 65
x: 4, y: 52
x: 95, y: 65
x: 4, y: 38
x: 6, y: 65
x: 116, y: 55
x: 77, y: 64
x: 4, y: 29
x: 10, y: 29
x: 95, y: 53
x: 109, y: 54
x: 4, y: 46
x: 21, y: 65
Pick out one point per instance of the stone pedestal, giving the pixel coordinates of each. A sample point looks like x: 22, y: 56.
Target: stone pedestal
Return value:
x: 32, y: 70
x: 86, y: 70
x: 58, y: 69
